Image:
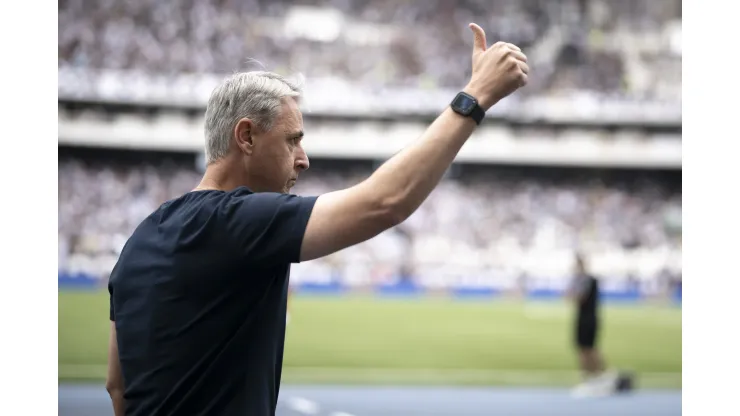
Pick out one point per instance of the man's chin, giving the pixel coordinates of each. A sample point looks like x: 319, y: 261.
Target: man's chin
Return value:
x: 291, y: 183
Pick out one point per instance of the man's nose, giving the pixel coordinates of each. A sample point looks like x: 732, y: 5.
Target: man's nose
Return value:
x: 302, y: 160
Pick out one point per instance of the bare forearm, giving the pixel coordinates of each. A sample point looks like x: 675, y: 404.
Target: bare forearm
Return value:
x: 405, y: 180
x: 119, y: 404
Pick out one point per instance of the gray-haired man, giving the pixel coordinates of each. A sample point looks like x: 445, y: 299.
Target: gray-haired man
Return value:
x: 198, y: 296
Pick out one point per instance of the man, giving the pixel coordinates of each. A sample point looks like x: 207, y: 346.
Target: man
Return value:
x: 198, y: 296
x: 584, y: 292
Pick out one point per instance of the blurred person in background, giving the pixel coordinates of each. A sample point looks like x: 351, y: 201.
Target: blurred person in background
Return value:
x: 198, y: 296
x: 584, y: 292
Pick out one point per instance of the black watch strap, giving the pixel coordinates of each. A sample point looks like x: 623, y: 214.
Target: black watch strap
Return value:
x: 477, y: 114
x: 466, y: 105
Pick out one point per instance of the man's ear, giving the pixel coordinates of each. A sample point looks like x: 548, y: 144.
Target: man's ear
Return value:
x: 244, y: 134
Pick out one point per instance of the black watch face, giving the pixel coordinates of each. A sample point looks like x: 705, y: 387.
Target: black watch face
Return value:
x: 464, y: 103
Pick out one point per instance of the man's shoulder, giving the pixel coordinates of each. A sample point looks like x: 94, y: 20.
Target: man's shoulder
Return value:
x: 229, y: 199
x: 260, y: 208
x: 184, y: 223
x: 196, y: 205
x: 182, y: 216
x: 261, y: 226
x: 208, y: 197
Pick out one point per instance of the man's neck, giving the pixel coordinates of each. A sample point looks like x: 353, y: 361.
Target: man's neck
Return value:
x: 220, y: 176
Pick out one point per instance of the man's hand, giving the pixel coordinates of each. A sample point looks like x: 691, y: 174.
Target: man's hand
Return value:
x: 497, y: 71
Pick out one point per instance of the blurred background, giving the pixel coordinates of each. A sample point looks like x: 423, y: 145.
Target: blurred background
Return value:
x: 469, y: 290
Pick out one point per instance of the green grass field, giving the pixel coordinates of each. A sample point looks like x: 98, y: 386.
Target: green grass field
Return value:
x: 421, y: 341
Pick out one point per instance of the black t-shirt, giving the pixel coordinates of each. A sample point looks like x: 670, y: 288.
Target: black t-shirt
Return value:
x: 199, y: 297
x: 587, y: 287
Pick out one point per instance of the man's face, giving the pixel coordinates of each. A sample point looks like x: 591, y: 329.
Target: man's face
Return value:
x: 277, y: 156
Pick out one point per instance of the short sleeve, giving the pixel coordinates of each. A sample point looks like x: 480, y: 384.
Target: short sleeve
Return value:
x: 268, y: 228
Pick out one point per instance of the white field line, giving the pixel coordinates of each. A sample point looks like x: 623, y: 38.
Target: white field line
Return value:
x: 303, y: 406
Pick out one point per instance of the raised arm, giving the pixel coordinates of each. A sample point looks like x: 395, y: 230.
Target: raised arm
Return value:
x: 344, y: 218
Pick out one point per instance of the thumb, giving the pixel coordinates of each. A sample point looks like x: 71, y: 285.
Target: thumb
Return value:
x: 479, y: 38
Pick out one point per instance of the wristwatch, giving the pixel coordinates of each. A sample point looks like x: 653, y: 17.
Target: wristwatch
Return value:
x: 466, y: 105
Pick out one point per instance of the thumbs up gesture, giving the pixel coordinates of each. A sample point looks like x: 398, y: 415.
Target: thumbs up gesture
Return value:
x: 497, y: 71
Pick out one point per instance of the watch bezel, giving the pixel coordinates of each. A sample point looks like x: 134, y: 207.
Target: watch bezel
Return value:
x: 459, y: 98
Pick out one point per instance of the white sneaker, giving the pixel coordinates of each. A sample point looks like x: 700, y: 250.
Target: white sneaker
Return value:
x: 599, y: 386
x: 580, y: 391
x: 607, y: 382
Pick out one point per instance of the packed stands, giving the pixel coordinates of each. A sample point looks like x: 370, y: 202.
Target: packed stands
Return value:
x: 484, y: 225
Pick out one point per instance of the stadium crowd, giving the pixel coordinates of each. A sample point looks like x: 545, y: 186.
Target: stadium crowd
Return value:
x: 484, y: 223
x: 576, y: 45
